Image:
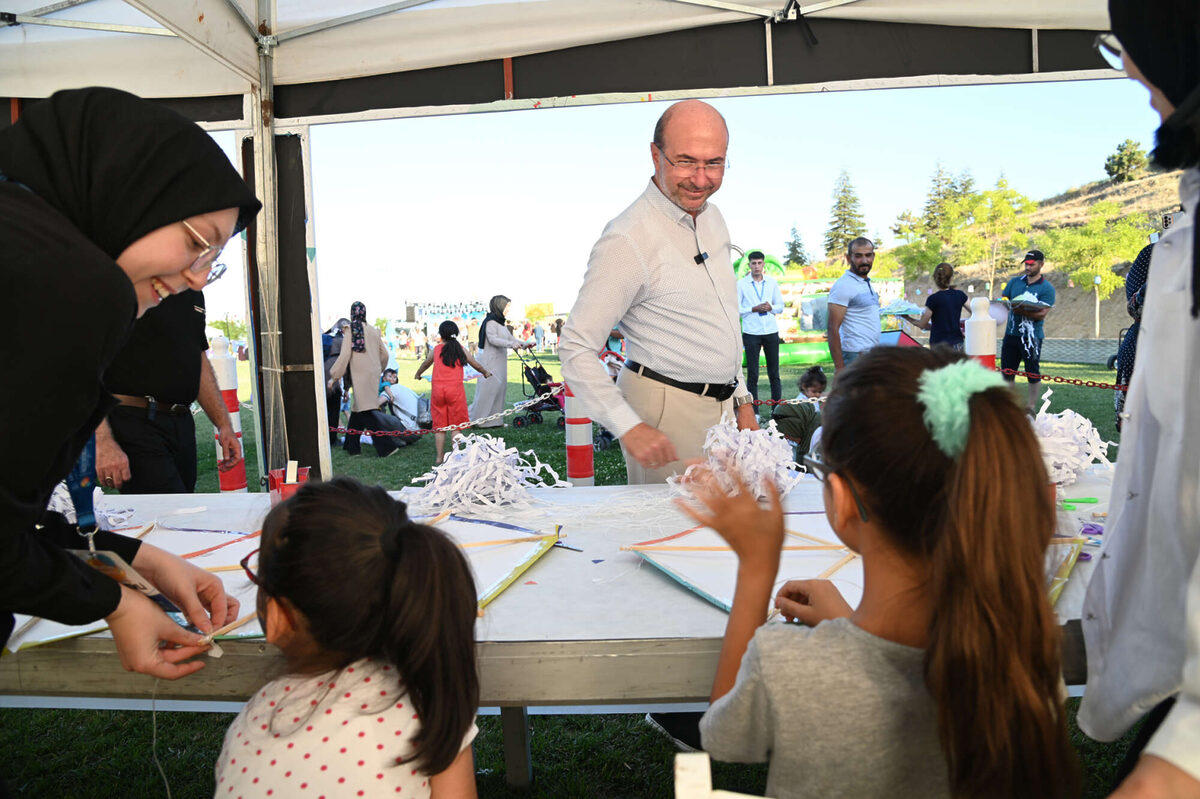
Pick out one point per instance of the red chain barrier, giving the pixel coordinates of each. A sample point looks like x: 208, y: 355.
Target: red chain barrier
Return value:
x: 1058, y: 379
x: 1015, y: 373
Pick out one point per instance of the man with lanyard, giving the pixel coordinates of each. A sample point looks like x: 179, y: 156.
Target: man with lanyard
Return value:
x: 1026, y: 327
x: 854, y: 307
x: 147, y: 445
x: 661, y: 273
x: 759, y: 300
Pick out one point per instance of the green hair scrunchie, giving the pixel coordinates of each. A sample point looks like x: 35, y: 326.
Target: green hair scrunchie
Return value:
x: 945, y: 394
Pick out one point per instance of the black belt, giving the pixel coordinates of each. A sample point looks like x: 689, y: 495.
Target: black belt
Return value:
x: 718, y: 391
x: 153, y: 406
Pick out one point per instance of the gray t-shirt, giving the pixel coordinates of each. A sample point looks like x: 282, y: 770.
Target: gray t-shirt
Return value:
x: 837, y: 712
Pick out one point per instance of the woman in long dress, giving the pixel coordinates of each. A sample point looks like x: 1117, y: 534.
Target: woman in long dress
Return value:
x: 494, y: 343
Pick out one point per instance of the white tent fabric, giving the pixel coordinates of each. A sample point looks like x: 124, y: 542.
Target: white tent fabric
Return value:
x: 214, y: 52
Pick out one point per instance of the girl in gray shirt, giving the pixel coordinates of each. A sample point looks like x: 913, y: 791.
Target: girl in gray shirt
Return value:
x: 944, y: 681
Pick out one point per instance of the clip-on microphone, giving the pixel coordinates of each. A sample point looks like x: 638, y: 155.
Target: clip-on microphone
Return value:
x: 700, y: 258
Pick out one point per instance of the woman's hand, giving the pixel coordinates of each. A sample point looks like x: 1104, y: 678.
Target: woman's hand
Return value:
x: 811, y: 602
x: 200, y: 594
x: 145, y: 637
x: 754, y: 534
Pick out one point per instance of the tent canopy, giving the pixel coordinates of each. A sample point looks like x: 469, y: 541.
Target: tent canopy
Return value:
x: 353, y: 56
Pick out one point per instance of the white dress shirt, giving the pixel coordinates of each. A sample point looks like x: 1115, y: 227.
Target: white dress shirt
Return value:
x: 1141, y: 616
x: 753, y: 292
x: 678, y: 317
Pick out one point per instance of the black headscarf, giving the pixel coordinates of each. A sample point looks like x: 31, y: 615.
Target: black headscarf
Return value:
x: 358, y: 318
x: 119, y: 167
x: 1163, y: 38
x: 495, y: 314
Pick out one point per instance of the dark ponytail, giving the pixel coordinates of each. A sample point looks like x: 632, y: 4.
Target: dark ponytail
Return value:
x: 452, y: 351
x: 813, y: 376
x: 372, y: 583
x: 981, y: 522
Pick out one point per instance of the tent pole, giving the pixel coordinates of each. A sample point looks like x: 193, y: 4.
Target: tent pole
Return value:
x: 274, y: 445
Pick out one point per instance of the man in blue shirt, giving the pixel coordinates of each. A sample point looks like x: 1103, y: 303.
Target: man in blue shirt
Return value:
x: 759, y: 300
x: 854, y: 307
x: 1025, y: 331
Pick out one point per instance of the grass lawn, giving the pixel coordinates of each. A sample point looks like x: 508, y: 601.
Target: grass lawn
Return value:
x: 75, y: 753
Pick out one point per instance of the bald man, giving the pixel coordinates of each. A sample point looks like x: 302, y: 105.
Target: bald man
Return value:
x: 661, y: 274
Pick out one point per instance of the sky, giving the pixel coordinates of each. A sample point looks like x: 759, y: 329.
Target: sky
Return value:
x: 462, y: 207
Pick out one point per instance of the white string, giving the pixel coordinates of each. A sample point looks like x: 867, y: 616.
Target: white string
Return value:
x: 154, y: 736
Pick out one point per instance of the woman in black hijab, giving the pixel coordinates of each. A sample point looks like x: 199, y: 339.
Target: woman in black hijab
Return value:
x: 1141, y: 620
x: 108, y: 204
x: 495, y: 340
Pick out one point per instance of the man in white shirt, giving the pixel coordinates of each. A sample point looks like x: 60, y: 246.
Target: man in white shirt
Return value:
x: 854, y: 307
x: 661, y: 273
x: 759, y: 301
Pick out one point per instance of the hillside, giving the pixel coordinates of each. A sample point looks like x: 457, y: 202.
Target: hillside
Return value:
x: 1157, y: 193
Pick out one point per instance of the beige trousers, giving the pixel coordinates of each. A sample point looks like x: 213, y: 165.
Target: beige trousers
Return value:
x: 680, y: 415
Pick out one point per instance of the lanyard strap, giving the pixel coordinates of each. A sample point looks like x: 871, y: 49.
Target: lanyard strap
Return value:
x: 81, y: 484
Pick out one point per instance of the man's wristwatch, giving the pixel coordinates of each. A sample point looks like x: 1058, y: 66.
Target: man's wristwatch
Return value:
x: 740, y: 401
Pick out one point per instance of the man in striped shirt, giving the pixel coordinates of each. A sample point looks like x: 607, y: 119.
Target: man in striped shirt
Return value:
x: 661, y: 274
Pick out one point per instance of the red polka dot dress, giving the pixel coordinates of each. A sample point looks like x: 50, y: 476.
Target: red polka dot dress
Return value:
x: 339, y: 734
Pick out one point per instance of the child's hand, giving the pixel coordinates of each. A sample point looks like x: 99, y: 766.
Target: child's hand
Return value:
x: 811, y: 602
x: 755, y: 534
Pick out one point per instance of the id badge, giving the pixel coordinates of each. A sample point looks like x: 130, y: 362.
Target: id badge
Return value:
x: 113, y: 565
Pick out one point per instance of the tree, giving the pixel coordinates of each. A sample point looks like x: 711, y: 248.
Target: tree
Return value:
x: 845, y: 217
x: 381, y: 324
x: 936, y: 215
x: 539, y: 310
x: 796, y: 254
x: 1090, y: 250
x: 232, y: 329
x: 964, y: 186
x: 990, y: 223
x: 1123, y: 165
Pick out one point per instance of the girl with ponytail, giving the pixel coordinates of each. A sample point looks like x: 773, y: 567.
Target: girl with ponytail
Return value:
x: 945, y: 680
x: 375, y: 615
x: 448, y: 403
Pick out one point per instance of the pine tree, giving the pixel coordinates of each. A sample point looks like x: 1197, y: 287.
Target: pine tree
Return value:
x: 1126, y: 162
x: 796, y: 254
x: 845, y: 217
x: 936, y: 213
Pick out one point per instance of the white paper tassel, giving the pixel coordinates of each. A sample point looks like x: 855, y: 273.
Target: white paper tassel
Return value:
x: 753, y: 455
x: 1070, y: 443
x: 481, y: 474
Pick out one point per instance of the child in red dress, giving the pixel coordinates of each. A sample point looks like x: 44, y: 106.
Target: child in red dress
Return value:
x: 448, y: 402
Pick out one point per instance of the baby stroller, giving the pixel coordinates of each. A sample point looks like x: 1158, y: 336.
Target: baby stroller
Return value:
x: 538, y: 383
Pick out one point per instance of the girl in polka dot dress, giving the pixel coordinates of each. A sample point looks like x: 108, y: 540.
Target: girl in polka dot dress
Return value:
x: 375, y: 615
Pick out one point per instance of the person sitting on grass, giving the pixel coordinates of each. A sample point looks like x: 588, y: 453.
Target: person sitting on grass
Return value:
x: 448, y: 400
x: 375, y: 615
x: 945, y: 680
x: 799, y: 422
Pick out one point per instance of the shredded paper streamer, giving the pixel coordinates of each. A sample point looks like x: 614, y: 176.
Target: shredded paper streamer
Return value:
x: 481, y: 474
x: 753, y: 455
x: 106, y: 518
x: 1069, y: 442
x: 901, y: 307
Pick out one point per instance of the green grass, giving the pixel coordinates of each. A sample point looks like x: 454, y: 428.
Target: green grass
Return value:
x: 72, y: 753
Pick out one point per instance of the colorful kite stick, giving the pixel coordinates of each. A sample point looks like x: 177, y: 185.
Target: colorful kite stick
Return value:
x: 200, y: 552
x: 812, y: 538
x: 812, y: 548
x: 526, y: 539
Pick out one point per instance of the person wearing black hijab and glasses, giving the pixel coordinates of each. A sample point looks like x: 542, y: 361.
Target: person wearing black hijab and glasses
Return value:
x: 1141, y: 615
x: 108, y: 205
